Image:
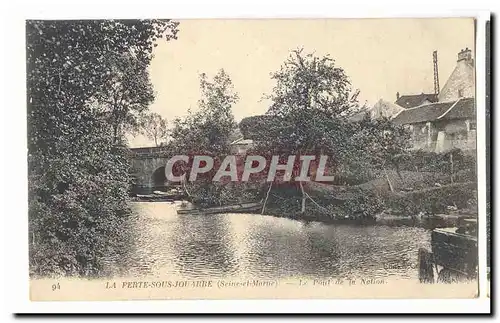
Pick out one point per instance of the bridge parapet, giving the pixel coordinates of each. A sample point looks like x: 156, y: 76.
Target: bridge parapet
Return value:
x: 150, y: 152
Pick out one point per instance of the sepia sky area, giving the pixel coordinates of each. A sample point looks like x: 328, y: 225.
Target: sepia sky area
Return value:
x: 380, y: 56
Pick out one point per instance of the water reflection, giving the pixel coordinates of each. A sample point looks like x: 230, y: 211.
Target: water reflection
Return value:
x: 249, y: 245
x: 202, y: 246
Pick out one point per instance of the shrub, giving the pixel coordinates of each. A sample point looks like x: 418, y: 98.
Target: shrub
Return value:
x: 75, y: 226
x: 365, y: 204
x: 465, y: 175
x: 432, y: 200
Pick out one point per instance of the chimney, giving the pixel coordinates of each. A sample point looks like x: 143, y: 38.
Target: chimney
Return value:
x: 397, y: 95
x: 465, y: 55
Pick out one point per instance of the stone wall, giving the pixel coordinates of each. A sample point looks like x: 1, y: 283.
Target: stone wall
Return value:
x: 144, y: 169
x: 443, y: 136
x: 459, y: 84
x: 384, y: 109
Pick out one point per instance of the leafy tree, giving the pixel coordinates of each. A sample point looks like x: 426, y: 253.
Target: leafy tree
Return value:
x: 207, y: 131
x: 126, y: 94
x: 210, y: 128
x: 384, y: 143
x: 311, y: 103
x: 310, y: 114
x: 78, y: 176
x: 155, y: 127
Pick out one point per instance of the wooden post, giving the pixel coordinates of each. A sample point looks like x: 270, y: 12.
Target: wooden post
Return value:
x: 185, y: 188
x: 429, y: 134
x: 425, y: 268
x: 303, y: 205
x: 451, y: 166
x: 267, y: 196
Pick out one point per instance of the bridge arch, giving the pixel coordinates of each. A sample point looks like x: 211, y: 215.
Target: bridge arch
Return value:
x: 158, y: 177
x: 148, y: 168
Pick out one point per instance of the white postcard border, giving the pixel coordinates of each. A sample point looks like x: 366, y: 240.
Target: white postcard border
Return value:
x: 15, y: 169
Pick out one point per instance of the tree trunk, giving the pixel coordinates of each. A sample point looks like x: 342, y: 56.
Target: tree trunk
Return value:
x: 396, y: 166
x: 115, y: 133
x: 388, y: 180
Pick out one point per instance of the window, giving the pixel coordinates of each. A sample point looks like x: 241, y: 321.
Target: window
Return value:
x: 460, y: 93
x: 472, y: 126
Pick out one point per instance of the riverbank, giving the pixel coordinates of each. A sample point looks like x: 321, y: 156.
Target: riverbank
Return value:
x: 425, y: 203
x: 428, y: 221
x: 375, y: 203
x: 315, y: 215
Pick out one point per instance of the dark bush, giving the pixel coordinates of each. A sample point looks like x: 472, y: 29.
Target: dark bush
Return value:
x: 465, y: 175
x: 432, y: 200
x: 73, y: 231
x: 365, y: 204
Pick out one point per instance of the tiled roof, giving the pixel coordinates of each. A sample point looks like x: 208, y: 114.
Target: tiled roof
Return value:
x: 463, y: 108
x: 359, y: 116
x: 411, y: 101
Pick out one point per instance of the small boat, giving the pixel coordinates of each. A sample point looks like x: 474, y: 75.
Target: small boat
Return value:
x: 161, y: 193
x: 144, y: 196
x: 153, y: 198
x: 233, y: 208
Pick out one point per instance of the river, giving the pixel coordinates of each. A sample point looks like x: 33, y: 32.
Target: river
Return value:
x: 165, y: 244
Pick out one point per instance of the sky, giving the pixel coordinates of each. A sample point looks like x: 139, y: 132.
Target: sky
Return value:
x: 380, y: 56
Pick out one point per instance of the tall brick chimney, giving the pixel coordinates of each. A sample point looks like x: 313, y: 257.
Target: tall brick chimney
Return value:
x: 465, y: 55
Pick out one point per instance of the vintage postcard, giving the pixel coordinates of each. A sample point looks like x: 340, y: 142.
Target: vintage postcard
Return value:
x: 253, y: 159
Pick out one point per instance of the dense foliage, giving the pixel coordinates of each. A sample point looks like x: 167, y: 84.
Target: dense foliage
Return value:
x: 311, y: 114
x: 435, y: 200
x: 209, y: 128
x: 127, y: 94
x: 207, y: 132
x: 424, y: 161
x: 77, y: 169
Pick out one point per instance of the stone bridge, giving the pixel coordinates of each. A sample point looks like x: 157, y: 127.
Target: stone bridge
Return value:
x: 148, y: 168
